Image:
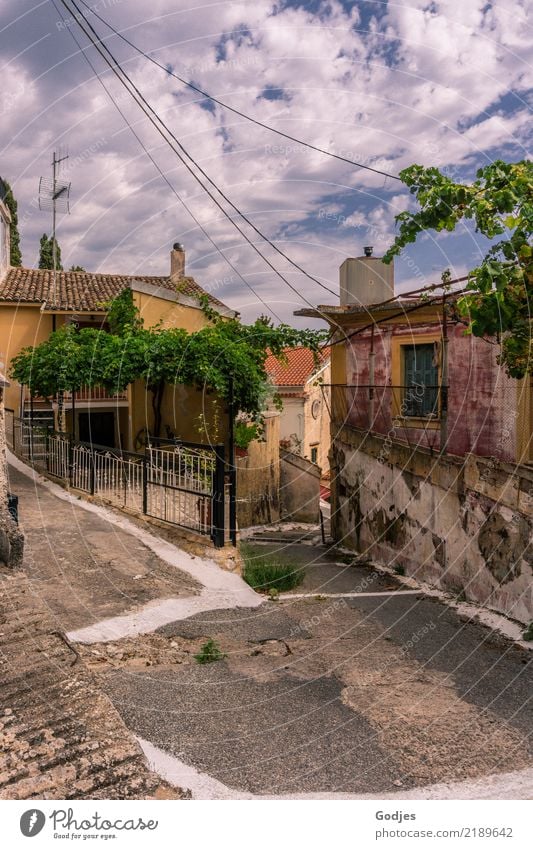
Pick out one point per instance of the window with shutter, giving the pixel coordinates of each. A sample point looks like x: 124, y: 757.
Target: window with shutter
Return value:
x: 421, y: 377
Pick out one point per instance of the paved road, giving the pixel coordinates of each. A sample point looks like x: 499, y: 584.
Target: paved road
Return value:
x: 84, y: 568
x: 370, y: 693
x: 360, y: 695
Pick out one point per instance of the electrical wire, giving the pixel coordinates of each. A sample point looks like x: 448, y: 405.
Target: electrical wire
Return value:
x: 233, y: 109
x: 163, y: 175
x: 405, y: 311
x: 137, y: 95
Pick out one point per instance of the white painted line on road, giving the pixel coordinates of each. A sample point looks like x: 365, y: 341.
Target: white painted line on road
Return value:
x: 355, y: 594
x: 507, y: 785
x: 155, y: 614
x: 180, y: 774
x: 220, y: 589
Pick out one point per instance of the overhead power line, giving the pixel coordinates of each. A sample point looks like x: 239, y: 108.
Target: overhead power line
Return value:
x: 181, y: 151
x: 406, y: 309
x: 238, y: 112
x: 163, y: 175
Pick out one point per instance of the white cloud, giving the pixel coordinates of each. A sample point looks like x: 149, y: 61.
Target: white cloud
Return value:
x: 401, y: 92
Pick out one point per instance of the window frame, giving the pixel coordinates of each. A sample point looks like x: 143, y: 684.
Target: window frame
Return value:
x: 405, y: 386
x: 399, y: 344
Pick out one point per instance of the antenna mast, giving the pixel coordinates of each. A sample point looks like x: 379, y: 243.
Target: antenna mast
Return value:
x: 54, y: 194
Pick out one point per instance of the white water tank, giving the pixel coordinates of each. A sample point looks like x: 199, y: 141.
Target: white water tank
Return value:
x: 365, y: 280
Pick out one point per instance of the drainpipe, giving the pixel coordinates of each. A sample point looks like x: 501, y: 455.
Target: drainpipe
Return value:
x: 444, y: 381
x: 371, y: 361
x: 232, y: 468
x: 73, y: 414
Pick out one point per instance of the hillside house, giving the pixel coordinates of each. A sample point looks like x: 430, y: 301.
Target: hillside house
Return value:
x: 35, y: 302
x: 431, y: 444
x: 304, y: 390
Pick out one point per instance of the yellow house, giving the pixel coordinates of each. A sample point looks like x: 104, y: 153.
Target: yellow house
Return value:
x: 35, y: 302
x: 304, y: 387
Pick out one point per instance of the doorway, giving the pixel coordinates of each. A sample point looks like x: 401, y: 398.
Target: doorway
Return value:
x: 98, y: 428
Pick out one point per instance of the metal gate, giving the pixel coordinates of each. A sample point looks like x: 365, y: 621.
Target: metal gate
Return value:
x: 180, y: 483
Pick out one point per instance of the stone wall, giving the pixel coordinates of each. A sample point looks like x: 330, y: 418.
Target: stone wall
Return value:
x: 258, y: 478
x: 462, y: 525
x: 300, y: 488
x: 11, y: 539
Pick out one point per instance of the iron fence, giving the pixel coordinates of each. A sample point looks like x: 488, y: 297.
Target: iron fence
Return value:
x: 409, y: 413
x: 180, y: 483
x: 377, y: 407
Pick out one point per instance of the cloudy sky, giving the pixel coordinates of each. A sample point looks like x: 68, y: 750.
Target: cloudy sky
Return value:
x: 384, y: 83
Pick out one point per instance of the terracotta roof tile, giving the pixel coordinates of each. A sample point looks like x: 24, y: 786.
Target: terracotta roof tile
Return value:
x: 298, y: 369
x: 84, y: 291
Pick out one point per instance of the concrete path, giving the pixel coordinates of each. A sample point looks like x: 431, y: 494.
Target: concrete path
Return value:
x: 352, y: 686
x: 101, y: 575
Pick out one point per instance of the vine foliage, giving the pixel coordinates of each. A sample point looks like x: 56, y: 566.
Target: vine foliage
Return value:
x: 499, y: 297
x: 225, y: 357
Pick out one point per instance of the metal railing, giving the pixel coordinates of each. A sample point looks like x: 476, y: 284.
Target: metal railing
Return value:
x: 372, y: 407
x: 96, y: 393
x: 410, y: 412
x: 180, y: 483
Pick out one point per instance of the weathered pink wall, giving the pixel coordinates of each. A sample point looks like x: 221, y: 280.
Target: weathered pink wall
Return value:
x: 482, y: 400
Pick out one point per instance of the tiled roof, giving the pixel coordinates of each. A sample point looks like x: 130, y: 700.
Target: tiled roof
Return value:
x: 298, y: 369
x: 83, y: 291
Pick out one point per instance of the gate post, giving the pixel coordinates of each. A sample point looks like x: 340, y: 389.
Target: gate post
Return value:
x: 92, y: 460
x: 70, y: 455
x: 145, y: 483
x: 218, y: 511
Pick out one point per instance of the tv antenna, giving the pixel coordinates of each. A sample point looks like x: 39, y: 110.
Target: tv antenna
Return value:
x: 54, y: 194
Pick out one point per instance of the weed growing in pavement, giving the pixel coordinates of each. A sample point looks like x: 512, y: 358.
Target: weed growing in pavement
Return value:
x: 209, y: 653
x: 399, y: 569
x: 528, y: 633
x: 264, y: 573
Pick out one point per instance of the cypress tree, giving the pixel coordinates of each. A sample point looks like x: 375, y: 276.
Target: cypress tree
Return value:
x: 46, y: 257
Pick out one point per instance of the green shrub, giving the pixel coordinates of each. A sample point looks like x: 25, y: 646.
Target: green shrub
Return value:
x: 264, y: 572
x: 209, y: 652
x: 528, y: 633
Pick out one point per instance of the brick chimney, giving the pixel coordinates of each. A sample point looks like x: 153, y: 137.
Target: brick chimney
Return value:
x: 177, y: 261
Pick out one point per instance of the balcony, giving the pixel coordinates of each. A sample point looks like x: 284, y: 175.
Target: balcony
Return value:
x: 387, y: 409
x: 84, y: 395
x: 96, y: 393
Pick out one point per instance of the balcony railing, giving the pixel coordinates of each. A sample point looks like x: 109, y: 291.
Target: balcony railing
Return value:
x: 380, y: 408
x: 96, y: 393
x: 86, y: 393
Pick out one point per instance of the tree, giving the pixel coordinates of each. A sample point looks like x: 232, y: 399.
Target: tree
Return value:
x: 76, y: 268
x: 225, y: 357
x: 14, y: 246
x: 499, y: 297
x: 46, y: 253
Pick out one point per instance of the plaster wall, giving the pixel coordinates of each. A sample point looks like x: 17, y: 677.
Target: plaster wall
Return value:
x: 482, y: 399
x: 258, y: 478
x: 299, y: 488
x: 465, y: 527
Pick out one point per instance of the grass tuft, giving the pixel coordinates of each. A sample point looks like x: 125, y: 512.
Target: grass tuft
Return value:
x: 264, y: 572
x: 528, y: 633
x: 209, y: 653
